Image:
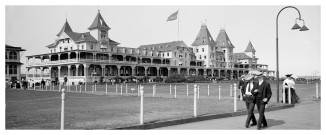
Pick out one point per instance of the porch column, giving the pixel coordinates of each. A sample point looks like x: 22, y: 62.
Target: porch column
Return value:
x: 178, y: 70
x: 69, y: 55
x: 59, y: 56
x: 118, y: 67
x: 59, y: 68
x: 151, y: 61
x: 50, y: 57
x: 188, y: 70
x: 197, y: 71
x: 77, y: 69
x: 42, y: 71
x: 102, y: 66
x: 212, y: 72
x: 146, y: 70
x: 69, y: 68
x: 133, y: 68
x: 158, y: 71
x: 219, y: 73
x: 169, y: 69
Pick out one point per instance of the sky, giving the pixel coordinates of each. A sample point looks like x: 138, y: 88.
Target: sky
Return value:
x: 34, y: 27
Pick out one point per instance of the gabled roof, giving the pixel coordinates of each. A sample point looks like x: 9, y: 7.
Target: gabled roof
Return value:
x: 223, y: 40
x: 250, y: 48
x: 203, y: 37
x: 65, y: 28
x: 164, y: 46
x: 241, y: 56
x: 9, y: 47
x: 99, y: 23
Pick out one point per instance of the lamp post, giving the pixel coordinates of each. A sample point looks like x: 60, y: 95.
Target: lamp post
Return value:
x: 295, y: 27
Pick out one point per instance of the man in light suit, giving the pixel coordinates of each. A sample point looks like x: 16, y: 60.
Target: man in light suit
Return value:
x: 248, y: 97
x: 262, y: 96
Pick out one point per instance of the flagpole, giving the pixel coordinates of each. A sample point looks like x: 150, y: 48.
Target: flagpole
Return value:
x: 178, y: 23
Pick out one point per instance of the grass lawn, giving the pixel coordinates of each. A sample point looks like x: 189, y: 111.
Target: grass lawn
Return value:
x: 29, y: 109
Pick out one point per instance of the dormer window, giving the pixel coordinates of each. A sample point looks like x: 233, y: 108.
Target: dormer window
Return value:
x: 68, y: 40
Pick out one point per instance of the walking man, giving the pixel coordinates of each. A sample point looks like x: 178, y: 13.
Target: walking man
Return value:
x: 249, y: 99
x: 262, y: 95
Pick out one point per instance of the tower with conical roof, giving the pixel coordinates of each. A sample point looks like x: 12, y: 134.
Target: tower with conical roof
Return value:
x: 65, y: 28
x: 99, y: 29
x: 223, y: 41
x: 204, y: 46
x: 250, y: 50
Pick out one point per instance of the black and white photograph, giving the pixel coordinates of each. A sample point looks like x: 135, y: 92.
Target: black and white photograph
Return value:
x: 163, y: 66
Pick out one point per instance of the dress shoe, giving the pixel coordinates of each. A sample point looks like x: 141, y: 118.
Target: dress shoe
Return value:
x: 246, y: 126
x: 258, y: 128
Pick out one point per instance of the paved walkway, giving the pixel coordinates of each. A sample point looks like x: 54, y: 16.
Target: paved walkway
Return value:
x: 305, y: 115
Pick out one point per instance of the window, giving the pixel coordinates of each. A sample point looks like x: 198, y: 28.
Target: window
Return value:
x: 82, y: 47
x: 199, y: 56
x: 77, y: 47
x: 163, y: 54
x: 12, y: 69
x: 51, y: 51
x: 6, y: 69
x: 205, y: 57
x: 111, y: 48
x: 175, y: 54
x: 91, y: 46
x: 212, y: 48
x: 13, y: 55
x: 103, y: 34
x: 203, y: 49
x: 196, y: 50
x: 68, y: 40
x: 60, y: 49
x: 168, y: 54
x: 54, y: 51
x: 63, y: 41
x: 70, y: 48
x: 185, y: 55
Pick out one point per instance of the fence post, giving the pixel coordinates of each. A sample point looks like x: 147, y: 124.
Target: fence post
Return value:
x: 116, y: 88
x: 106, y: 88
x: 187, y: 90
x: 240, y: 93
x: 138, y: 87
x: 195, y: 100
x: 85, y: 85
x: 126, y: 88
x: 170, y: 89
x: 317, y: 95
x: 235, y: 97
x: 79, y: 88
x: 121, y: 89
x: 283, y: 95
x: 141, y: 105
x: 231, y: 90
x: 219, y: 92
x: 53, y: 87
x: 175, y: 91
x: 95, y: 87
x: 46, y: 86
x: 76, y: 87
x: 63, y: 109
x: 153, y: 91
x: 198, y: 91
x: 34, y: 86
x: 289, y: 94
x: 208, y: 90
x: 92, y: 88
x: 59, y: 86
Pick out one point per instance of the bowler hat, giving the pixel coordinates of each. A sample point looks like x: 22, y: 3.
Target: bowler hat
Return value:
x: 288, y: 75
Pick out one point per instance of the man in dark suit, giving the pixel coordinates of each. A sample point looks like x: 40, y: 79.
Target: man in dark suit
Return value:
x: 249, y: 99
x: 262, y: 95
x: 241, y: 85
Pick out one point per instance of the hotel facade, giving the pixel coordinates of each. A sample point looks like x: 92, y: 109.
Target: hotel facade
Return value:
x: 85, y: 57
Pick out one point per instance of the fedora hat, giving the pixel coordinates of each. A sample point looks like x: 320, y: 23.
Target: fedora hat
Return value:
x: 248, y: 77
x: 242, y: 76
x: 288, y: 75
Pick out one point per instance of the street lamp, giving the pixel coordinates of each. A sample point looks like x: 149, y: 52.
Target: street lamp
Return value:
x: 295, y: 27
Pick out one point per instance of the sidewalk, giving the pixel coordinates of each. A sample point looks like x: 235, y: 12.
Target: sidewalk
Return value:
x: 305, y: 115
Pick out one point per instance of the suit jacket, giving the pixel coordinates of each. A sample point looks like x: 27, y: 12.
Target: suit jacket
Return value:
x: 241, y: 83
x: 264, y: 91
x: 244, y: 88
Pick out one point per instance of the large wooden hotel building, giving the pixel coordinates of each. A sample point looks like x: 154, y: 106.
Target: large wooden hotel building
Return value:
x: 89, y: 55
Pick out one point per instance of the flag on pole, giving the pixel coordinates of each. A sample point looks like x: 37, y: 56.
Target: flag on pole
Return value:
x: 173, y: 16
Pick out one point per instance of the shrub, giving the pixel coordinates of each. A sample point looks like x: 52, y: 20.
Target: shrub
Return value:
x: 196, y: 78
x: 158, y: 79
x: 176, y: 78
x: 101, y: 80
